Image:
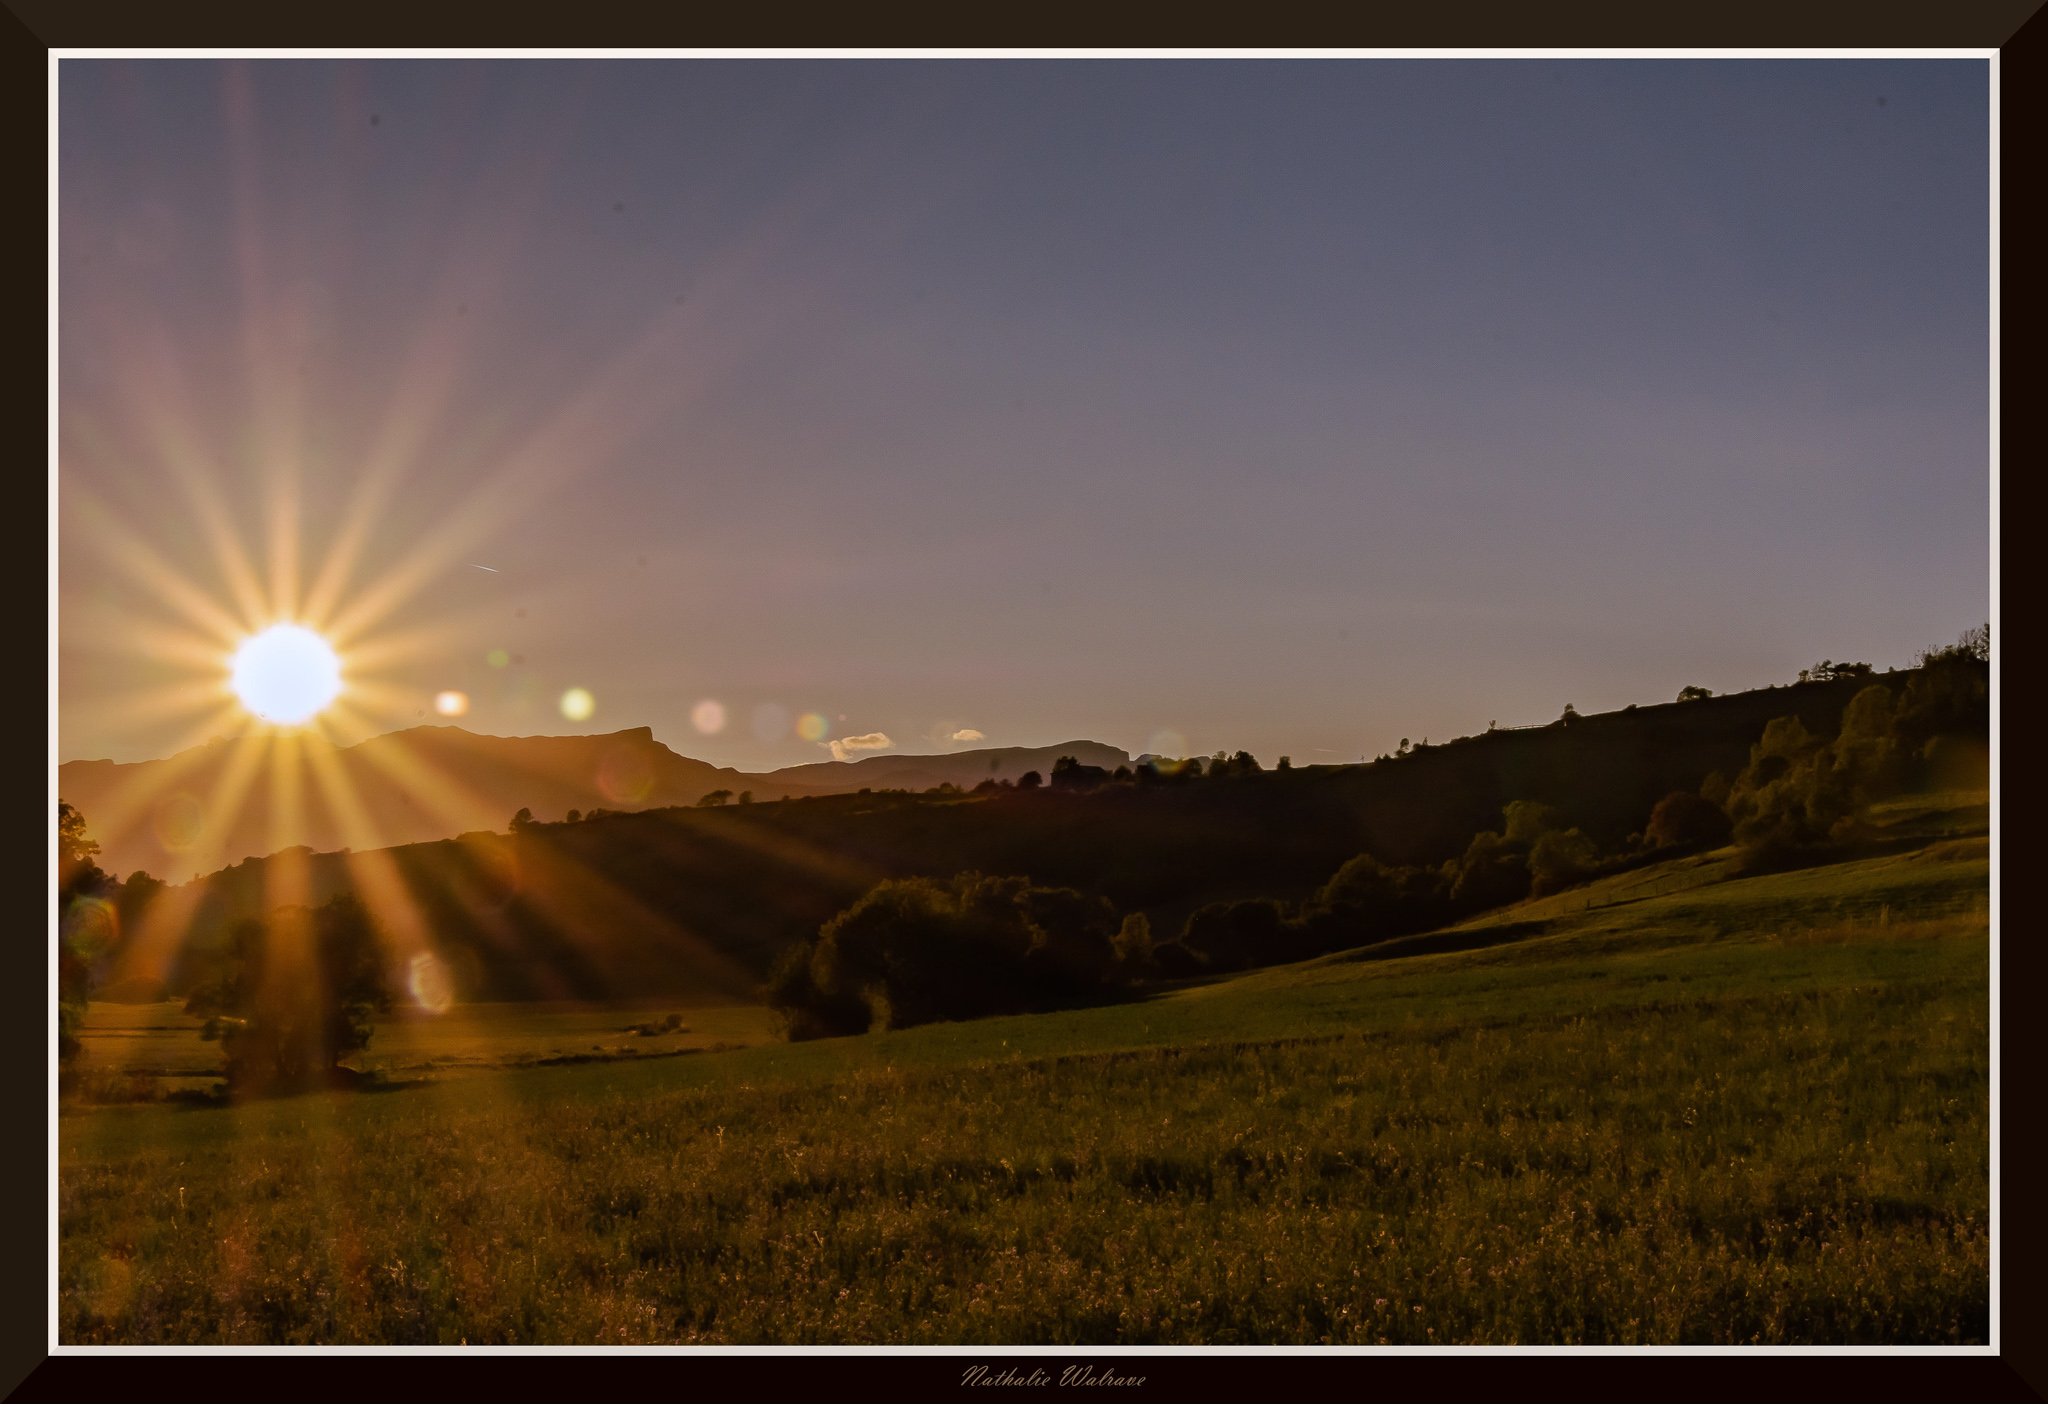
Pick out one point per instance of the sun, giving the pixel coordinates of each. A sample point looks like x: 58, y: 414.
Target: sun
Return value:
x: 286, y: 674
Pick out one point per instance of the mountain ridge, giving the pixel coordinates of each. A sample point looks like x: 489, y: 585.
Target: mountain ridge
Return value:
x: 224, y: 800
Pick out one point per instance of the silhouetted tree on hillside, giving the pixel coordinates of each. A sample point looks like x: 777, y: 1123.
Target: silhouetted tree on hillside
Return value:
x: 86, y: 925
x: 1069, y: 774
x: 295, y: 995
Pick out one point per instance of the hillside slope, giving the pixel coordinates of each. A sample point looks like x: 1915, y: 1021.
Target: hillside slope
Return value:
x: 698, y: 903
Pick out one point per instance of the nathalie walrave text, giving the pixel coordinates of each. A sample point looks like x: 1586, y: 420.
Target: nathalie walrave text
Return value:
x: 1072, y: 1375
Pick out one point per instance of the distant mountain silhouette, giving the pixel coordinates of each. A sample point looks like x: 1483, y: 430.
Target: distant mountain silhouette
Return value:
x: 178, y: 816
x: 204, y: 809
x: 963, y: 768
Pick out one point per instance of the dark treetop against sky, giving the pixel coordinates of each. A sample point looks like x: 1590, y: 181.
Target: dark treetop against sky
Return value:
x: 1288, y: 406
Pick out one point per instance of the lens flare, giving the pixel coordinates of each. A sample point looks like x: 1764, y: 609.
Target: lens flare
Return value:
x: 178, y: 822
x: 708, y: 717
x: 452, y: 703
x: 428, y: 980
x: 497, y: 658
x: 286, y: 674
x: 812, y: 727
x: 1168, y: 743
x: 578, y: 704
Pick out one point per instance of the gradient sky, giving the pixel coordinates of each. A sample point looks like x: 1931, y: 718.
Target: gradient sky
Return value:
x: 1288, y: 406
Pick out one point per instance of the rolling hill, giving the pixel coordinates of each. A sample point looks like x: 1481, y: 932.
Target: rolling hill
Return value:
x: 220, y: 803
x: 697, y: 903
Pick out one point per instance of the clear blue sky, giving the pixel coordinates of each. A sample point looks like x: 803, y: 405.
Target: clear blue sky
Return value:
x: 1288, y: 406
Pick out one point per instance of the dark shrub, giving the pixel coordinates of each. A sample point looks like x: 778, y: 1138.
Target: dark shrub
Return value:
x: 1241, y: 935
x: 1492, y: 872
x: 804, y: 1010
x: 914, y: 952
x: 1558, y: 859
x: 1684, y: 819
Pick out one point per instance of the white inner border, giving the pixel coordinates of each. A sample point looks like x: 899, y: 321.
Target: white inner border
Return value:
x: 1055, y: 1351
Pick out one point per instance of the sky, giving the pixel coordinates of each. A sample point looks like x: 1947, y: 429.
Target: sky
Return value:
x: 1185, y: 405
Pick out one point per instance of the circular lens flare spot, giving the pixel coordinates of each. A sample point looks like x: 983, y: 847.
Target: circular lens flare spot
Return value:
x: 497, y: 658
x: 812, y: 727
x: 578, y: 704
x: 452, y: 703
x: 428, y: 980
x: 286, y: 674
x: 178, y: 823
x: 708, y: 717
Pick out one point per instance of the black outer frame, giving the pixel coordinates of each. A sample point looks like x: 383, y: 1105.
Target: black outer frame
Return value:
x: 29, y: 29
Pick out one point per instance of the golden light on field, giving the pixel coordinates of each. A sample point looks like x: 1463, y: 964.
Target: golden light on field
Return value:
x: 261, y: 566
x: 286, y: 673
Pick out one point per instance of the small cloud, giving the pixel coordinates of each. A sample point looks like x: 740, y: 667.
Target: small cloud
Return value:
x: 968, y: 734
x: 873, y: 741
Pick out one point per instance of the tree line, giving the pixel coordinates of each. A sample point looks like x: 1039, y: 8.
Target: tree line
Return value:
x: 915, y: 951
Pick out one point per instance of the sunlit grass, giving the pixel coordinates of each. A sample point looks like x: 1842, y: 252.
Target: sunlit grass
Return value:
x: 1703, y: 1131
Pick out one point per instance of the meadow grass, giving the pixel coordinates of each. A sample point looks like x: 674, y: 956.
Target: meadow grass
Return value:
x: 1754, y: 1112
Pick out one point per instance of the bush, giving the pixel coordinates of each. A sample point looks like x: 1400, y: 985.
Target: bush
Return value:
x: 803, y: 1010
x: 1798, y: 792
x: 1367, y: 901
x: 1133, y: 949
x: 1240, y: 935
x: 1684, y: 819
x: 1558, y: 859
x: 1492, y: 872
x: 914, y: 952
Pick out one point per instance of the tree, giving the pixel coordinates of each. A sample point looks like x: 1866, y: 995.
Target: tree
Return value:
x: 1030, y: 780
x: 913, y: 951
x: 1132, y: 946
x: 1684, y: 818
x: 1240, y: 935
x: 1529, y: 820
x: 1558, y: 859
x: 1492, y: 872
x: 87, y: 925
x: 295, y: 995
x: 1069, y: 774
x: 1694, y: 694
x: 75, y: 852
x: 717, y: 798
x: 1366, y: 901
x: 522, y: 820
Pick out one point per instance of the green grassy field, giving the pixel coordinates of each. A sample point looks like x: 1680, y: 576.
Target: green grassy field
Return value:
x: 1749, y: 1111
x: 161, y: 1041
